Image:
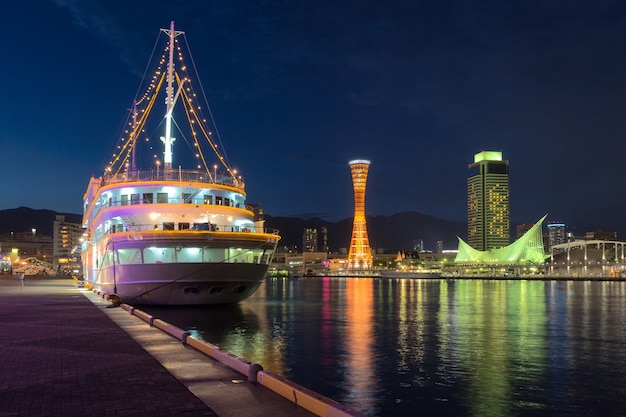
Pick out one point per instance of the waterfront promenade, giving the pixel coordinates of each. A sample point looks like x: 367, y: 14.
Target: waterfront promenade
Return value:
x: 64, y: 353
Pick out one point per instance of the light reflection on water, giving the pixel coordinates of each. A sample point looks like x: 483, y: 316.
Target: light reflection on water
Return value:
x: 433, y: 347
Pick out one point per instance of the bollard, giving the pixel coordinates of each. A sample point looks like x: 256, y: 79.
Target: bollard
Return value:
x: 254, y: 369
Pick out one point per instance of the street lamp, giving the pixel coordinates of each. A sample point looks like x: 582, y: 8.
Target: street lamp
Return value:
x: 214, y: 173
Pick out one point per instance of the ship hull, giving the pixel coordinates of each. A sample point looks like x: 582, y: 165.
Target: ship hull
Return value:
x: 183, y: 283
x: 179, y: 267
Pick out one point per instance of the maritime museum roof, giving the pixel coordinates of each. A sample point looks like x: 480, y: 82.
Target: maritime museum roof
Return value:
x: 528, y: 249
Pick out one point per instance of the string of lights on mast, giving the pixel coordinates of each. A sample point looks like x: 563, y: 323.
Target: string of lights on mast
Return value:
x: 179, y: 87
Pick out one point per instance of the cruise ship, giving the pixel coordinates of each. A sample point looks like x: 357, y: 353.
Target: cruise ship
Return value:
x: 163, y: 234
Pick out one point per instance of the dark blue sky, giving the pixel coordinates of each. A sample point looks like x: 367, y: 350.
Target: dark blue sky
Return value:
x: 298, y: 89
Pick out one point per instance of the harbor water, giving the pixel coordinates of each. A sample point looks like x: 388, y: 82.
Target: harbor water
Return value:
x: 408, y: 347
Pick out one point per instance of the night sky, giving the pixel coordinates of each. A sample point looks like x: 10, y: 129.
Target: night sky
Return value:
x: 298, y: 89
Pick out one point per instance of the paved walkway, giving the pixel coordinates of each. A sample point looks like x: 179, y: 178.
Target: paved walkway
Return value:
x: 61, y: 354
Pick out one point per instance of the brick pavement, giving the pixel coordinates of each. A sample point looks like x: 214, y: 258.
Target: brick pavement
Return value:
x: 61, y: 356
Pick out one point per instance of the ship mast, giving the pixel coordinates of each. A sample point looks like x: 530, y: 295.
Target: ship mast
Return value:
x: 168, y: 140
x: 133, y: 159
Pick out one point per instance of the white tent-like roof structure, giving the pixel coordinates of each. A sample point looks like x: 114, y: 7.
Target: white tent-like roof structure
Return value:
x: 528, y: 249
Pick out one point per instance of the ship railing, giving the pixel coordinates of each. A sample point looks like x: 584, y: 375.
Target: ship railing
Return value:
x: 207, y: 227
x: 181, y: 175
x: 197, y: 201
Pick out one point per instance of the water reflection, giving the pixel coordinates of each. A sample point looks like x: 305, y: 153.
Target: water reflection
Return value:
x: 499, y: 332
x: 359, y: 344
x: 434, y: 347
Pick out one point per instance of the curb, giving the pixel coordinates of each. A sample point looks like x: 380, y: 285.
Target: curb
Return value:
x: 297, y: 394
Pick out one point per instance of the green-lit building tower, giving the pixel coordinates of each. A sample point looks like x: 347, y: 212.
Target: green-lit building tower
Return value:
x: 488, y: 215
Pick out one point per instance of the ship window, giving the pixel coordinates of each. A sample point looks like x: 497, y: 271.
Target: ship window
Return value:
x: 107, y: 259
x: 257, y: 256
x: 201, y: 226
x: 214, y: 255
x: 226, y: 201
x: 186, y: 198
x: 168, y: 225
x: 148, y: 198
x: 218, y: 201
x: 129, y: 256
x: 162, y: 198
x: 266, y: 257
x: 190, y: 255
x: 154, y: 255
x: 183, y: 226
x: 246, y: 256
x: 208, y: 199
x: 134, y: 199
x: 124, y: 199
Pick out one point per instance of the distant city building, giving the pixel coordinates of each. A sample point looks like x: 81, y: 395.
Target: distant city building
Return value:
x: 440, y: 246
x: 257, y: 210
x: 601, y: 235
x: 20, y: 246
x: 488, y: 213
x: 324, y: 239
x: 520, y: 229
x: 360, y: 254
x: 309, y: 240
x: 307, y: 263
x: 556, y: 234
x: 66, y: 246
x: 291, y: 249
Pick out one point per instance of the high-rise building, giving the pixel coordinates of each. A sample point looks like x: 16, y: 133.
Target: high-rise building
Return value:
x: 488, y: 222
x: 360, y: 254
x: 556, y: 234
x: 309, y: 240
x: 520, y: 229
x: 66, y: 245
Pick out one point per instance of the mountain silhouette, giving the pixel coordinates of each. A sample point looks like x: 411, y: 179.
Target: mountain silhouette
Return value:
x: 24, y: 219
x: 401, y: 231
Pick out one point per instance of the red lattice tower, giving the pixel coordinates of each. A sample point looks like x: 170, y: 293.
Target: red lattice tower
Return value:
x: 360, y: 255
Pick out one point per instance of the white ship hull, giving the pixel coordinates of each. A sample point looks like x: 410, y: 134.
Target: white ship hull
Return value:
x: 179, y: 267
x: 202, y: 283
